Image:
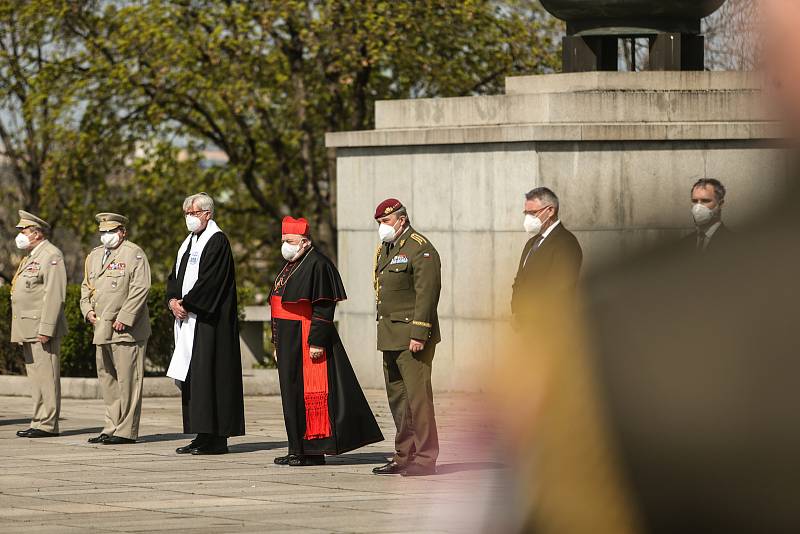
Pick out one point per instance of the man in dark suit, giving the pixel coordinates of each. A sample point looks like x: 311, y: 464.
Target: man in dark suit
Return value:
x: 708, y: 196
x: 551, y: 259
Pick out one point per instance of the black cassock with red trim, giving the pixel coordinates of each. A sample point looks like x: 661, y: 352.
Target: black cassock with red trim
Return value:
x: 324, y: 408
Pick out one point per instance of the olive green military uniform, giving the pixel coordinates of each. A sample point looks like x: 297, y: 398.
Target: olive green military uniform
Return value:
x: 37, y: 303
x: 115, y: 288
x: 407, y: 287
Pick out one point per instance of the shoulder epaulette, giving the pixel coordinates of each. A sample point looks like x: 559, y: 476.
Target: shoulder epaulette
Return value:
x: 418, y: 238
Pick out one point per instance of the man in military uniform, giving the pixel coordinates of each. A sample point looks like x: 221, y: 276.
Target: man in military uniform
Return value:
x: 114, y: 300
x: 407, y: 286
x: 38, y: 324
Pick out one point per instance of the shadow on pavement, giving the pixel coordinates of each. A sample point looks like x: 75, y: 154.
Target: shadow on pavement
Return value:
x: 78, y: 431
x: 4, y: 422
x: 359, y: 458
x: 260, y: 446
x: 154, y: 438
x: 447, y: 469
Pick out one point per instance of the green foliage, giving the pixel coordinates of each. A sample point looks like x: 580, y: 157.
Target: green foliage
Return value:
x: 161, y: 342
x: 77, y: 350
x: 263, y: 82
x: 127, y: 95
x: 11, y: 360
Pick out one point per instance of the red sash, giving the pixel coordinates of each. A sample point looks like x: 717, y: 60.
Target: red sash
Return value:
x: 315, y: 373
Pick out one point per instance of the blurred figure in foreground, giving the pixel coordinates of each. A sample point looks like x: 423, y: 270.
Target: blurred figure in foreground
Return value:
x: 674, y: 408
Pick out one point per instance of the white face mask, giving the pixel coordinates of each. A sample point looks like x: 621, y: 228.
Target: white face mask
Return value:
x: 289, y: 251
x: 532, y: 224
x: 702, y: 215
x: 22, y: 241
x: 193, y: 223
x: 110, y: 240
x: 386, y: 233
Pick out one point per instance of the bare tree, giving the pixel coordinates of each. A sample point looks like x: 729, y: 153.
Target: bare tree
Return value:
x: 730, y: 36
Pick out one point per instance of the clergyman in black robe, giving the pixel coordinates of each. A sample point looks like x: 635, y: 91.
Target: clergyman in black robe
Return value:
x: 324, y: 408
x: 211, y: 393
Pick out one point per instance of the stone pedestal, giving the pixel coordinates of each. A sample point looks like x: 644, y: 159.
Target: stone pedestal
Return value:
x: 620, y: 149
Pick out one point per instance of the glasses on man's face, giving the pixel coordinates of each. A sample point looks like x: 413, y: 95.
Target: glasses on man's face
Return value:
x: 194, y: 213
x: 536, y: 212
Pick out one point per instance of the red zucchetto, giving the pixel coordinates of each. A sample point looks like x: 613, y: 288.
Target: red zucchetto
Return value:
x: 387, y: 207
x: 291, y: 225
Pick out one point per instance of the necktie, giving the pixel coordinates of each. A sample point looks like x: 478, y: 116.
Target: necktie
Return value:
x: 22, y: 263
x: 701, y: 240
x: 106, y: 254
x: 536, y: 244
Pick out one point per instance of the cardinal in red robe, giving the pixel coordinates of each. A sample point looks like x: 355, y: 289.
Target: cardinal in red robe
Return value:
x: 324, y: 408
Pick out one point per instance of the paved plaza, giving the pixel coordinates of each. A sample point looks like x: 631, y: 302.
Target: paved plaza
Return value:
x: 65, y: 484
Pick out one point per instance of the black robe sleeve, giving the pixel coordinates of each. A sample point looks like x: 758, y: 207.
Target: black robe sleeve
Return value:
x: 216, y: 264
x: 322, y: 328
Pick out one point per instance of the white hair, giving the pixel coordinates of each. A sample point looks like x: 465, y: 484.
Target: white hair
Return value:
x: 202, y: 200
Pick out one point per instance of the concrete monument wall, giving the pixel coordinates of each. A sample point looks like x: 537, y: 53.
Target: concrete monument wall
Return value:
x: 620, y: 149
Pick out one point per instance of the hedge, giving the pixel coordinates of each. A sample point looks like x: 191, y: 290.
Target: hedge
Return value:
x: 77, y: 350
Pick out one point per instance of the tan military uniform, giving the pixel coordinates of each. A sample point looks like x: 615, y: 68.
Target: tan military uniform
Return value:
x: 38, y: 291
x: 115, y: 288
x: 407, y: 286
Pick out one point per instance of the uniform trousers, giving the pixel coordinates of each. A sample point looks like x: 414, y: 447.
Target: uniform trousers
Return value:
x: 43, y: 367
x: 120, y: 369
x: 408, y: 387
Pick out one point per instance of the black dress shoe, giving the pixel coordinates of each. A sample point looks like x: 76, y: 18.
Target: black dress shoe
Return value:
x: 303, y: 461
x: 199, y: 441
x: 211, y: 448
x: 118, y: 440
x: 23, y: 433
x: 98, y: 439
x: 186, y: 449
x: 37, y: 433
x: 417, y: 470
x: 392, y: 468
x: 284, y: 460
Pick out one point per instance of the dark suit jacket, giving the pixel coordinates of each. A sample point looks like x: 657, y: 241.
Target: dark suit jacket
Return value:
x: 717, y: 241
x: 551, y: 271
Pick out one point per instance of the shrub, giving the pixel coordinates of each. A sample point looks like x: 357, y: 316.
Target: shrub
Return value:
x: 77, y: 350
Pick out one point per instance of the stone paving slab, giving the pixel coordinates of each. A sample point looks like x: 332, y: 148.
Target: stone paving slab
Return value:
x: 65, y: 484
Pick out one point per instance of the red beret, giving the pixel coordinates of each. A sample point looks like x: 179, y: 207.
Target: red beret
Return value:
x: 291, y: 225
x: 387, y: 207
